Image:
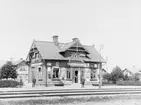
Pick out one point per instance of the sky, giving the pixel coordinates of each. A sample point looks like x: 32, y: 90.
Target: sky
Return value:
x: 116, y: 24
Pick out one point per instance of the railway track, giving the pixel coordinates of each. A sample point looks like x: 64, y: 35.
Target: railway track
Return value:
x: 66, y: 92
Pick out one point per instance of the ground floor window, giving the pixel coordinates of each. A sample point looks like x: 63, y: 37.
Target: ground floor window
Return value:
x: 55, y: 72
x: 40, y: 74
x: 68, y: 74
x: 93, y: 74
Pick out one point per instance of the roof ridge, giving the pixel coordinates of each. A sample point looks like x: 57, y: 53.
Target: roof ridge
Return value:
x: 60, y: 42
x: 48, y: 41
x: 43, y: 41
x: 88, y: 45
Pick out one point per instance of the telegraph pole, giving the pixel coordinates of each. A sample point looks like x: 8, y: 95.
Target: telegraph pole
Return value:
x: 100, y: 68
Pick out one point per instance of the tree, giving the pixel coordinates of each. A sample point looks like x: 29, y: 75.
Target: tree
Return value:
x: 107, y: 77
x: 8, y: 70
x: 116, y: 74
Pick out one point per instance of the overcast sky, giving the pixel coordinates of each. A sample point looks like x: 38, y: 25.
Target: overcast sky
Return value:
x: 114, y: 23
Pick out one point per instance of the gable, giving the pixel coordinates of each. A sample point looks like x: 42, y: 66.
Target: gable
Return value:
x: 34, y: 53
x: 74, y: 46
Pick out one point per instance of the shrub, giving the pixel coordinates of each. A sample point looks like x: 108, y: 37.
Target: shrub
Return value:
x: 107, y: 77
x: 136, y: 77
x: 129, y: 83
x: 8, y: 83
x: 107, y: 83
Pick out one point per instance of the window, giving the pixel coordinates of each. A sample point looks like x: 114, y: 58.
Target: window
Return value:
x: 95, y: 66
x: 68, y: 74
x: 36, y: 55
x: 55, y: 72
x: 93, y: 74
x: 40, y: 74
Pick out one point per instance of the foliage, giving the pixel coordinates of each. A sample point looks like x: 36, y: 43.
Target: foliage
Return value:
x: 8, y: 83
x: 129, y: 83
x: 116, y: 74
x: 8, y: 70
x: 136, y: 76
x: 107, y: 83
x: 126, y: 77
x: 107, y: 77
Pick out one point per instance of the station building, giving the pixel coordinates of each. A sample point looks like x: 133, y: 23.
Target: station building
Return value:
x: 52, y: 62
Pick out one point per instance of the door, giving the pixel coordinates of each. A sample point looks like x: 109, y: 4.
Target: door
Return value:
x: 76, y: 76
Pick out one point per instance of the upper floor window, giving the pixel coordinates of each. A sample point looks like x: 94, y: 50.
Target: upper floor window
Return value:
x: 95, y: 66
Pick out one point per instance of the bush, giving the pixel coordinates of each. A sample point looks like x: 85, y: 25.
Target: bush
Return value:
x: 129, y: 83
x: 136, y: 77
x: 8, y: 83
x: 107, y: 83
x: 107, y: 77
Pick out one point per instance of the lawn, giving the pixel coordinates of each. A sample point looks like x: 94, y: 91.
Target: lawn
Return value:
x: 70, y: 100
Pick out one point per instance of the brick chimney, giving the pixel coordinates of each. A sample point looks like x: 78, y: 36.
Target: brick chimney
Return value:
x: 21, y: 59
x: 55, y: 39
x: 74, y: 39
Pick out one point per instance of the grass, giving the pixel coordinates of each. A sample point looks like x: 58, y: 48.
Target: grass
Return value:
x: 129, y: 83
x: 66, y: 100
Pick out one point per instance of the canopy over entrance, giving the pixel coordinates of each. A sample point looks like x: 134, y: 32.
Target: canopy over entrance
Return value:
x: 76, y: 64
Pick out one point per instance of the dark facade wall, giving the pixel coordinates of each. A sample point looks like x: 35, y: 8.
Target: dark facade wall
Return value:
x: 63, y: 71
x: 54, y: 63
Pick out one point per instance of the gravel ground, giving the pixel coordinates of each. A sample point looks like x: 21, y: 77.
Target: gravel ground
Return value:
x: 81, y: 100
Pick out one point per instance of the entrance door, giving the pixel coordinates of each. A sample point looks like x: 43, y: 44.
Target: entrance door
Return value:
x: 76, y: 76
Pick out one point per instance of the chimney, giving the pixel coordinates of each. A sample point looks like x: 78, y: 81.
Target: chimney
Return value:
x: 11, y: 60
x: 21, y: 59
x: 55, y: 39
x: 74, y: 39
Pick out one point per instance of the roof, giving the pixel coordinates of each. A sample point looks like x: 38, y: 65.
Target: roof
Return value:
x: 68, y: 45
x: 49, y: 50
x: 94, y: 54
x: 126, y: 70
x: 18, y: 62
x: 133, y: 70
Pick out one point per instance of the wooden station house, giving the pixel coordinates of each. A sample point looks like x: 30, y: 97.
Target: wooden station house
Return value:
x: 52, y: 62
